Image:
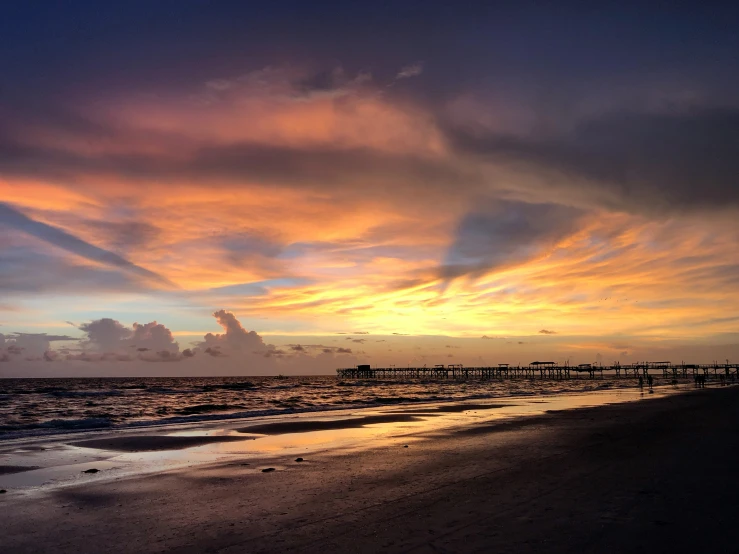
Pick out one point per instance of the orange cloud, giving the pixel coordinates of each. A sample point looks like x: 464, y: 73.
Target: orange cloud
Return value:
x: 334, y: 206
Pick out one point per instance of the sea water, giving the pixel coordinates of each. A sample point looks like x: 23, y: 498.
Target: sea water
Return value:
x: 32, y: 407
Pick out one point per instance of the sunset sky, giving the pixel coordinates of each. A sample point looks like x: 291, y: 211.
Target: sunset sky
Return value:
x: 282, y: 187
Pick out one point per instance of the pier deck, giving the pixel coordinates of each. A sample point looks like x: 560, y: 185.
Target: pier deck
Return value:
x: 541, y: 370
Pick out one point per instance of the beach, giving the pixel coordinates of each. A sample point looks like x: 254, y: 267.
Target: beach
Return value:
x: 656, y: 474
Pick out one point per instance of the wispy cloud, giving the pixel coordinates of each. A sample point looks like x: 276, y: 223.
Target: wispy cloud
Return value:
x: 412, y: 70
x: 54, y: 236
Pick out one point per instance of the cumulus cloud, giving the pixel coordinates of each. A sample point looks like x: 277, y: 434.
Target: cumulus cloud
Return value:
x: 214, y: 351
x: 107, y: 338
x: 106, y: 334
x: 154, y: 336
x: 30, y: 345
x: 234, y: 338
x: 237, y: 342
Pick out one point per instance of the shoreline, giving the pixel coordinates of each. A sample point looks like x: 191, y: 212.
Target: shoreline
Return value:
x: 622, y: 476
x: 53, y: 461
x: 94, y: 424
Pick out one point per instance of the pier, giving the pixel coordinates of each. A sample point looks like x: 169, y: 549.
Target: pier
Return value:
x: 541, y: 370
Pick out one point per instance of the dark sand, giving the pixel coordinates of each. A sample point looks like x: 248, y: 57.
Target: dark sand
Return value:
x: 656, y: 476
x: 6, y: 470
x: 450, y: 408
x: 152, y: 443
x: 303, y: 426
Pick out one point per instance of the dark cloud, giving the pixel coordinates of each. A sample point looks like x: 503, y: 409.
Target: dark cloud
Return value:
x: 240, y: 249
x: 271, y: 352
x: 506, y: 232
x: 547, y: 332
x: 641, y: 161
x: 213, y: 351
x: 14, y: 219
x: 23, y: 270
x: 44, y: 336
x: 123, y: 236
x: 308, y: 348
x: 14, y: 350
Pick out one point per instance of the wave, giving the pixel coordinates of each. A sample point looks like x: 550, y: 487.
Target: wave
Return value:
x: 61, y: 424
x: 158, y: 402
x: 85, y: 393
x: 204, y: 408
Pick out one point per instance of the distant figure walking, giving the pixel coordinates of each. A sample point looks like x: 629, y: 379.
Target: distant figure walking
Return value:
x: 641, y: 382
x: 650, y: 380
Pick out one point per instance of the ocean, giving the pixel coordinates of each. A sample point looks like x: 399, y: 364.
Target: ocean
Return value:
x: 31, y: 407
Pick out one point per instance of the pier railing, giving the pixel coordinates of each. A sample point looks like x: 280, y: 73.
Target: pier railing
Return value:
x: 541, y: 370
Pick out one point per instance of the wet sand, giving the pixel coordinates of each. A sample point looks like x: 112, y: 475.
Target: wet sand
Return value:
x: 452, y: 408
x: 7, y: 470
x: 307, y: 425
x: 152, y: 443
x: 653, y: 476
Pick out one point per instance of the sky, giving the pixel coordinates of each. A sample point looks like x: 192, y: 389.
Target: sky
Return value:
x: 221, y: 188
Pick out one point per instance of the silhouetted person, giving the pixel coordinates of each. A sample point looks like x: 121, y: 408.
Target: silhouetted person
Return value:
x: 650, y: 380
x: 641, y: 382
